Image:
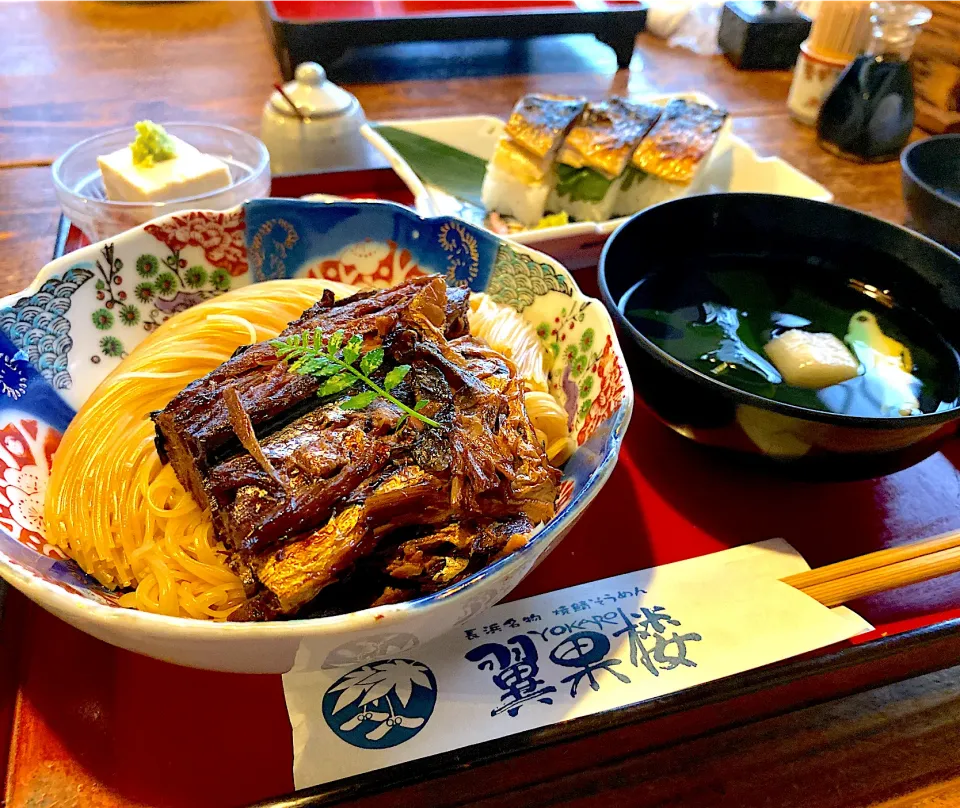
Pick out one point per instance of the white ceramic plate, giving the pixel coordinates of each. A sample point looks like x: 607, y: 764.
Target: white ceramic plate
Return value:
x: 733, y: 166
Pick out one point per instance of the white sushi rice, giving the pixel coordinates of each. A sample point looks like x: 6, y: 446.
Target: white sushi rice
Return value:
x: 644, y: 191
x: 510, y: 196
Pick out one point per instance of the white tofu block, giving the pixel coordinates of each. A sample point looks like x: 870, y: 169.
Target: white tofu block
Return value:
x: 190, y: 173
x: 810, y: 360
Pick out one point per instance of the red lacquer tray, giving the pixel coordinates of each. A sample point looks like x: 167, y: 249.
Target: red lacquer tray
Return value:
x: 89, y: 724
x: 322, y: 30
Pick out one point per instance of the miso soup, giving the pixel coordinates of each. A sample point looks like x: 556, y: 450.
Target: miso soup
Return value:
x: 718, y: 320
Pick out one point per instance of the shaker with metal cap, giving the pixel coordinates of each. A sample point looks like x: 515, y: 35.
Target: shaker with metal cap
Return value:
x: 323, y: 132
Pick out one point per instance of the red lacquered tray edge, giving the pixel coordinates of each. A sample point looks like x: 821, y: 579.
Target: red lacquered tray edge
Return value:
x: 301, y: 37
x: 895, y: 651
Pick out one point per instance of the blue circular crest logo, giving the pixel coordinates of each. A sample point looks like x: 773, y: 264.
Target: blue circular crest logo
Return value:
x: 381, y: 704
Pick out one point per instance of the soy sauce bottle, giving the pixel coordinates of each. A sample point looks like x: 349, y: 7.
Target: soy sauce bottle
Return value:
x: 868, y: 116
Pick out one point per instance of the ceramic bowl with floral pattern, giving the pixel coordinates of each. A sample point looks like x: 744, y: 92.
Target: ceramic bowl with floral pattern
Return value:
x: 84, y: 312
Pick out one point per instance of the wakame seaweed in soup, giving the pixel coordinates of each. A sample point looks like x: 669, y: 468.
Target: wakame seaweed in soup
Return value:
x: 719, y: 320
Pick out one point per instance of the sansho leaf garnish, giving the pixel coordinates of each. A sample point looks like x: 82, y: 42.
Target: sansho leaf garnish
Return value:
x: 335, y: 361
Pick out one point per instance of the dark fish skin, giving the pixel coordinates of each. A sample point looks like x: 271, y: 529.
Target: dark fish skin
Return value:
x: 259, y: 518
x: 539, y: 123
x: 684, y: 135
x: 431, y: 450
x: 194, y: 430
x: 608, y: 134
x: 642, y: 115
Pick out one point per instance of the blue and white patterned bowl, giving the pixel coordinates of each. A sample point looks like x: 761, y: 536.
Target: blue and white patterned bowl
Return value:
x: 84, y: 312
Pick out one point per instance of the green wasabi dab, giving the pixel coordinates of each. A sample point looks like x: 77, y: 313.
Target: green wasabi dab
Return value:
x: 153, y: 145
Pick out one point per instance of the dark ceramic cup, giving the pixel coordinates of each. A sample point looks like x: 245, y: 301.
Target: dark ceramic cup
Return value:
x: 787, y: 233
x: 930, y: 172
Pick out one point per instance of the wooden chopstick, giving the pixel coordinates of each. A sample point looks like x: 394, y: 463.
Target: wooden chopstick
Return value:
x: 40, y: 162
x: 913, y: 571
x: 885, y: 569
x: 870, y: 561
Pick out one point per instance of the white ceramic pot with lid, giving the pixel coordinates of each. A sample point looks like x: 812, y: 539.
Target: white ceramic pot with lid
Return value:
x: 325, y: 135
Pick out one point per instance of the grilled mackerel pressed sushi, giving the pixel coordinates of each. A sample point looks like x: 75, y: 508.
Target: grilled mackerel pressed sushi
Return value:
x: 519, y: 175
x: 670, y: 157
x: 539, y: 123
x: 595, y: 154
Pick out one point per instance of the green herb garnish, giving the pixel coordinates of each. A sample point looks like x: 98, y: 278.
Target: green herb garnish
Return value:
x: 312, y: 354
x: 631, y: 175
x: 581, y: 184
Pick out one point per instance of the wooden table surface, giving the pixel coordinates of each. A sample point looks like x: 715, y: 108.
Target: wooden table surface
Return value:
x: 68, y: 71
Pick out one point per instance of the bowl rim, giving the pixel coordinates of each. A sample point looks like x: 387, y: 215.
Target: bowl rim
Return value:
x: 909, y: 171
x: 742, y: 396
x: 263, y: 164
x: 55, y: 597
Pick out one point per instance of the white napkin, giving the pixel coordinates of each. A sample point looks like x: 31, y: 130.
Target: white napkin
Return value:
x: 565, y: 654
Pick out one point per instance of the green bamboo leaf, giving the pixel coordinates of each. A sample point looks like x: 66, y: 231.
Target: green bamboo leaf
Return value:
x: 421, y: 403
x: 449, y: 169
x: 371, y: 361
x: 351, y: 351
x: 395, y: 376
x: 360, y: 400
x: 334, y: 343
x: 336, y: 384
